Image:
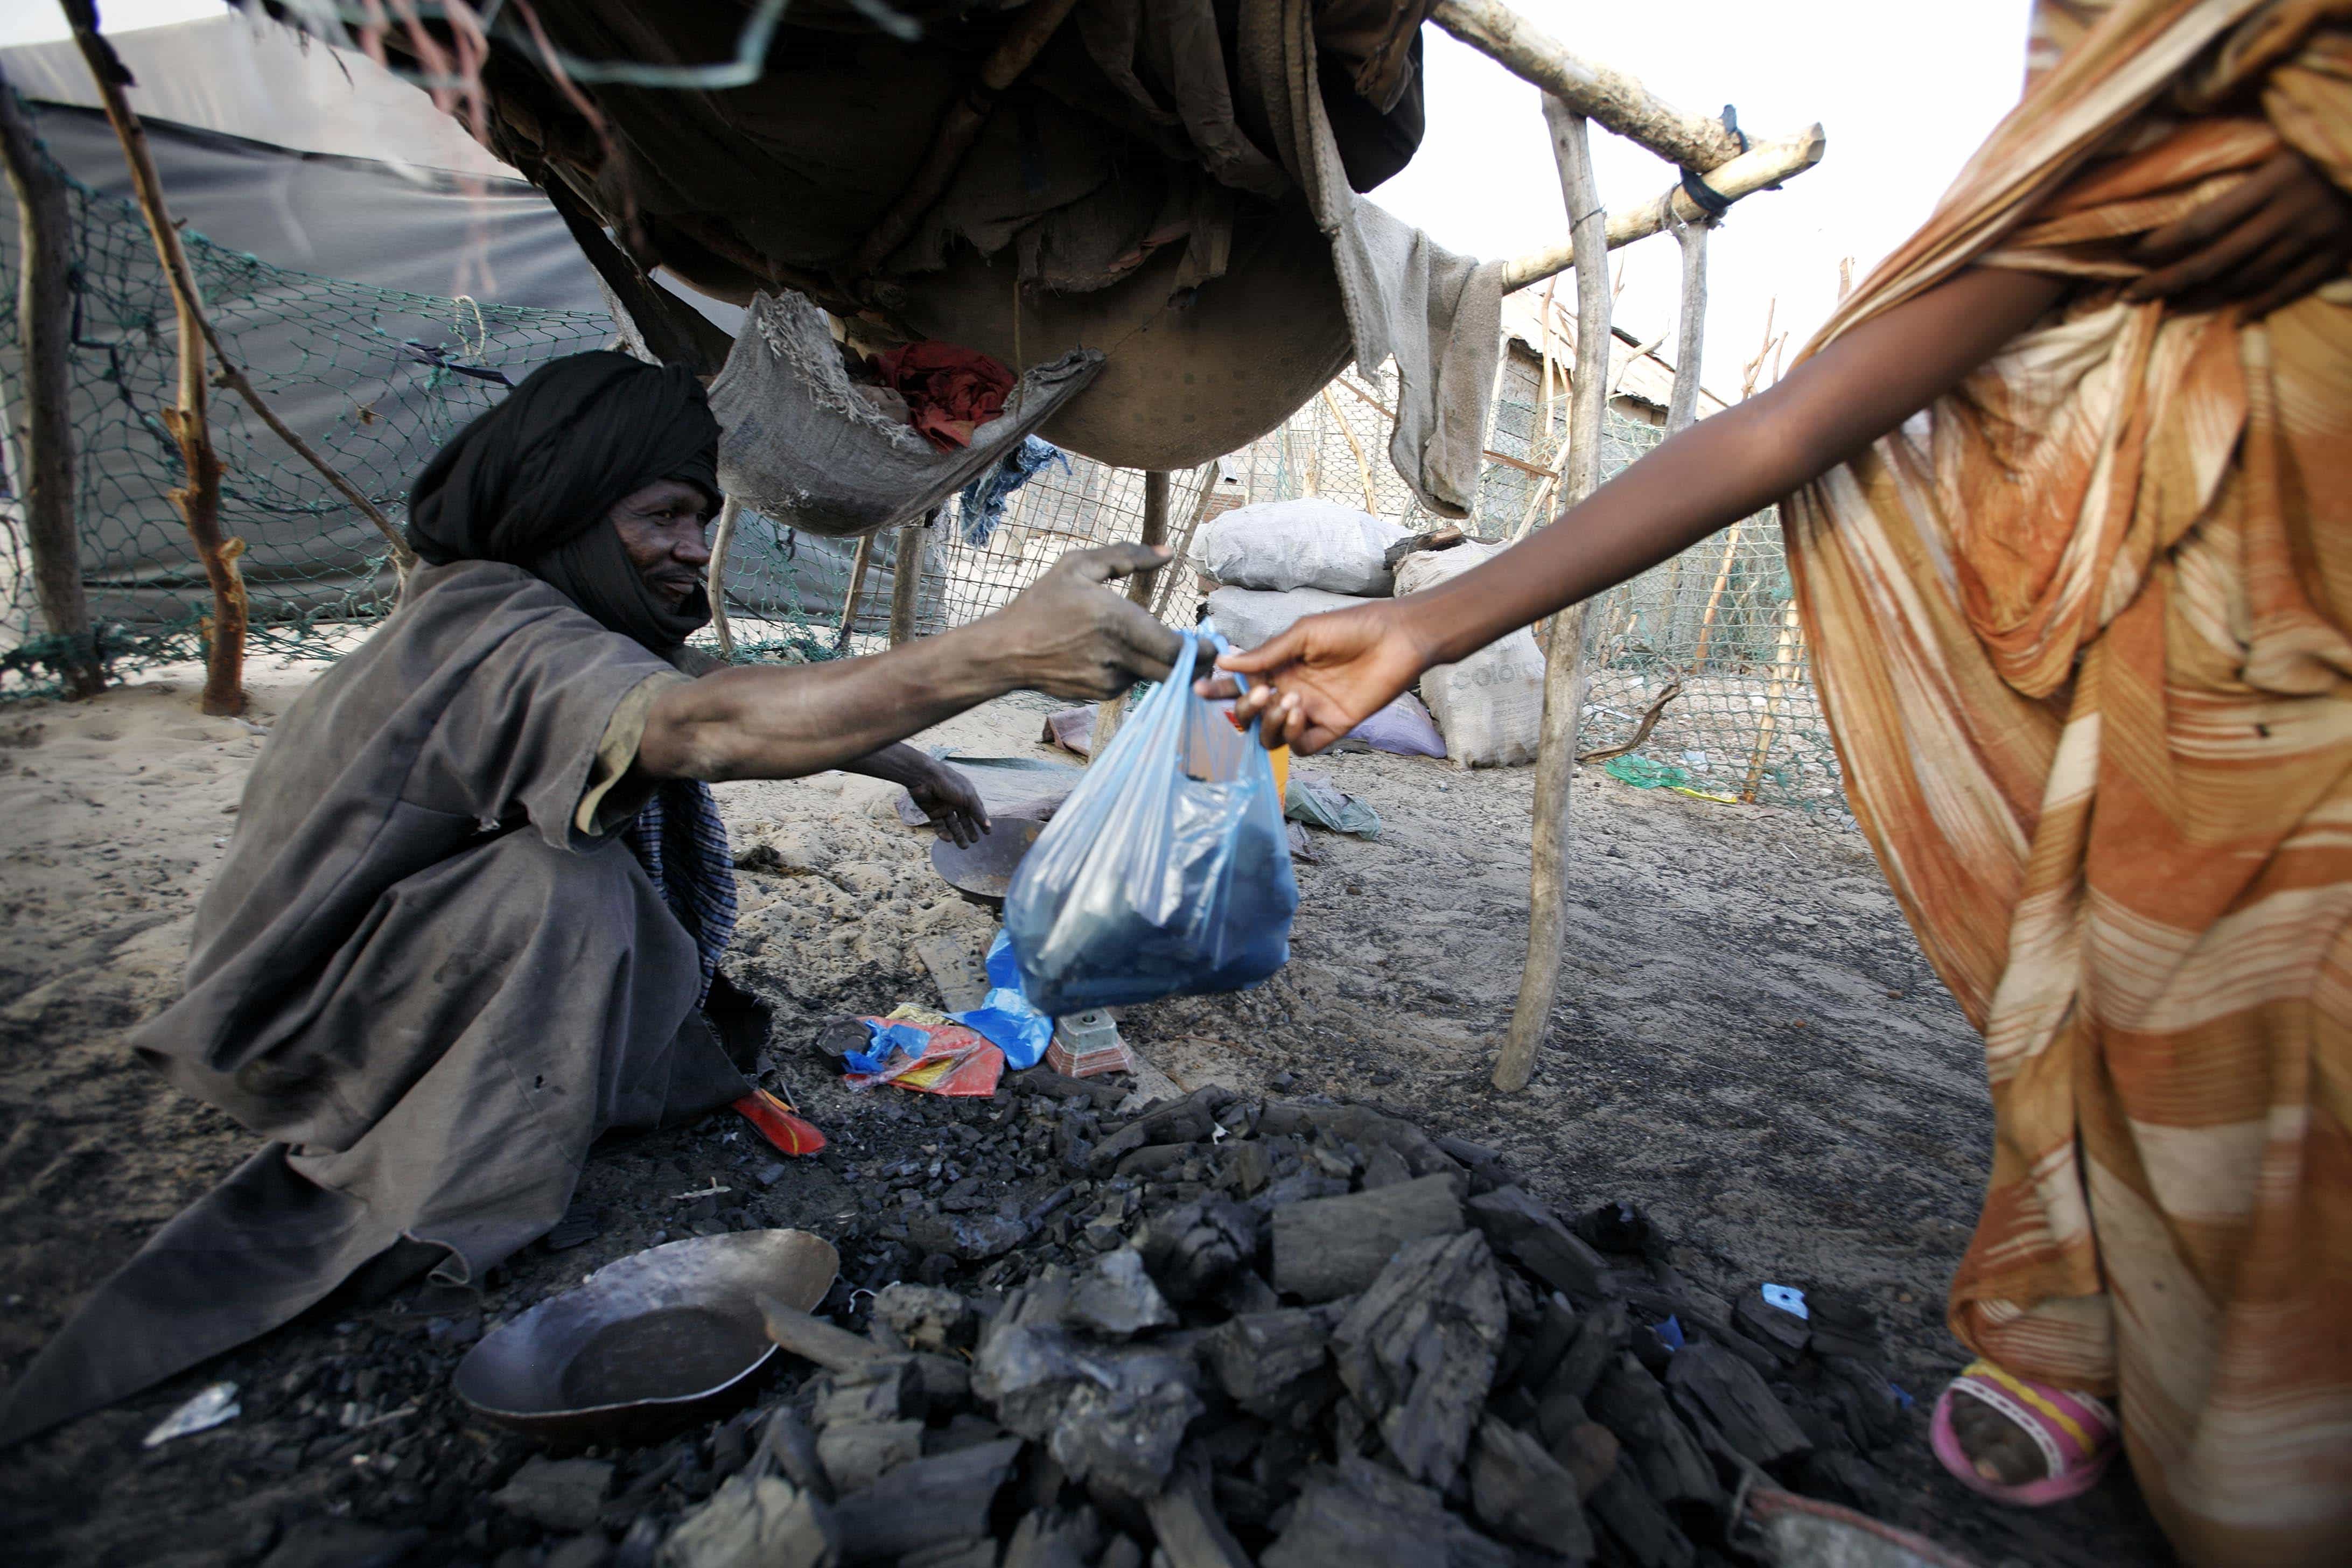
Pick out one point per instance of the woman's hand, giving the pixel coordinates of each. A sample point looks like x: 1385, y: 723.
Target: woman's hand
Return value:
x: 1325, y: 676
x: 2272, y: 238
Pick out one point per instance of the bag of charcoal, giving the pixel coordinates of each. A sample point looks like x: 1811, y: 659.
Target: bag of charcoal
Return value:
x: 1167, y: 872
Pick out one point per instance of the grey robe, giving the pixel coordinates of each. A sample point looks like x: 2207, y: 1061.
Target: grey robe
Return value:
x: 426, y: 973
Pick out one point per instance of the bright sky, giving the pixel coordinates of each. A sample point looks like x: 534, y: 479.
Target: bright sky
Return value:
x: 1906, y: 92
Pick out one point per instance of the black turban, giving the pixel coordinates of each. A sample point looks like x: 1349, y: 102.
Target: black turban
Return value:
x: 531, y: 481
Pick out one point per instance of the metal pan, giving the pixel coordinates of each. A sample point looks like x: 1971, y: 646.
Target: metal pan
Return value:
x: 983, y: 872
x: 659, y: 1340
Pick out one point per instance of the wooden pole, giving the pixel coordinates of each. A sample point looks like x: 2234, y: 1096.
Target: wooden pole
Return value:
x: 1617, y: 100
x: 1690, y: 347
x: 195, y: 326
x: 1564, y: 657
x: 45, y: 433
x: 722, y: 538
x: 1784, y: 674
x: 906, y: 581
x: 1715, y: 596
x: 1113, y: 711
x: 1208, y: 477
x: 1363, y: 468
x: 1760, y: 168
x: 198, y: 499
x: 857, y: 566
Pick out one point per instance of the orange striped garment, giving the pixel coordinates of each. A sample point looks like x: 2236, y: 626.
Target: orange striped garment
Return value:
x: 2081, y: 632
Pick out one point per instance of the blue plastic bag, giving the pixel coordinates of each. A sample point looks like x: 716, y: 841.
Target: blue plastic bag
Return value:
x: 1004, y: 1018
x: 1167, y: 872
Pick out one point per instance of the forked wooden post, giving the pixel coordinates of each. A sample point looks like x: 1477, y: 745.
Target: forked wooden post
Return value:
x: 857, y: 567
x: 198, y: 499
x: 1113, y: 710
x: 1690, y: 346
x: 45, y: 307
x: 722, y: 539
x: 112, y: 77
x: 906, y: 581
x: 1564, y: 655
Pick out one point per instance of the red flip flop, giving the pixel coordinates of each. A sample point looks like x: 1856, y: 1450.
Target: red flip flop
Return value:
x: 778, y: 1125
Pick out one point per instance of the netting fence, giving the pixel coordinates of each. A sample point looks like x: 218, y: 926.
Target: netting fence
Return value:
x: 375, y: 379
x: 1704, y: 649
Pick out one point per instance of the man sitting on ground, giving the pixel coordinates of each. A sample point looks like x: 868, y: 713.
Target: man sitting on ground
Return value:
x: 478, y: 891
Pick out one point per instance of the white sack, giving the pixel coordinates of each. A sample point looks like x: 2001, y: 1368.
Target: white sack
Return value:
x: 1247, y: 618
x: 1490, y: 707
x: 1283, y: 544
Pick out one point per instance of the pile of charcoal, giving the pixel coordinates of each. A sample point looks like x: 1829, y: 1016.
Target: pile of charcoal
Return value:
x: 1296, y: 1335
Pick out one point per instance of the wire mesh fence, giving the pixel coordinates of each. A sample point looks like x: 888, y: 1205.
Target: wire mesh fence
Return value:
x: 1697, y: 665
x: 375, y: 379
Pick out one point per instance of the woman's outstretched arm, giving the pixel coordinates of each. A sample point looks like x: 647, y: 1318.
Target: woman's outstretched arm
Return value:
x: 1329, y: 673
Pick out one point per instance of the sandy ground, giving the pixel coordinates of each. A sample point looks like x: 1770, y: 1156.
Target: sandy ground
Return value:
x: 1749, y: 1045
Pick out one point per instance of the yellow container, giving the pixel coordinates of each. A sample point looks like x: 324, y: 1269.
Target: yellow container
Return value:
x: 1280, y: 758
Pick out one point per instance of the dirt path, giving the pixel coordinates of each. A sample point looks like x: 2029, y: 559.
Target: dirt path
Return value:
x: 1749, y: 1046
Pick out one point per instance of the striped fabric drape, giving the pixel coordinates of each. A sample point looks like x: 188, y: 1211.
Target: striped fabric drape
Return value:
x: 2081, y: 634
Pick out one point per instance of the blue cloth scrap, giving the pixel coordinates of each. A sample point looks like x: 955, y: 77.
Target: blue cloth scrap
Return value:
x: 888, y: 1040
x: 984, y: 500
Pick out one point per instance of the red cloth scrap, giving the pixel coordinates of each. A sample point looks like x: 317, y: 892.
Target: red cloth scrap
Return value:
x: 952, y: 391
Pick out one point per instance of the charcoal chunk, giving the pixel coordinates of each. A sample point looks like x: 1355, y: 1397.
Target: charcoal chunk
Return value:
x: 1277, y: 1365
x: 1588, y: 1451
x: 1556, y: 1324
x: 856, y: 1454
x: 1156, y: 1160
x: 1194, y: 1249
x: 1358, y: 1513
x: 1119, y: 1430
x: 765, y: 1520
x: 1673, y: 1470
x: 1526, y: 1232
x: 1054, y: 1538
x: 1783, y: 1333
x: 1334, y: 1247
x: 560, y: 1494
x: 1246, y: 1168
x: 1190, y: 1531
x: 1843, y: 1324
x: 1865, y: 1402
x: 1601, y: 1335
x: 1633, y: 1519
x: 787, y: 1442
x: 1117, y: 1300
x: 342, y: 1543
x: 925, y: 1504
x: 1731, y: 1393
x: 1522, y: 1492
x: 882, y: 1390
x: 1417, y: 1352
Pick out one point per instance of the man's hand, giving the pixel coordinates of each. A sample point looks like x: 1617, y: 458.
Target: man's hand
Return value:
x: 942, y: 793
x: 2269, y: 240
x: 1068, y: 636
x: 1325, y: 674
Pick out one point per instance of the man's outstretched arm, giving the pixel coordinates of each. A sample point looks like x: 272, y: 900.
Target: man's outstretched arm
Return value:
x: 1067, y: 634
